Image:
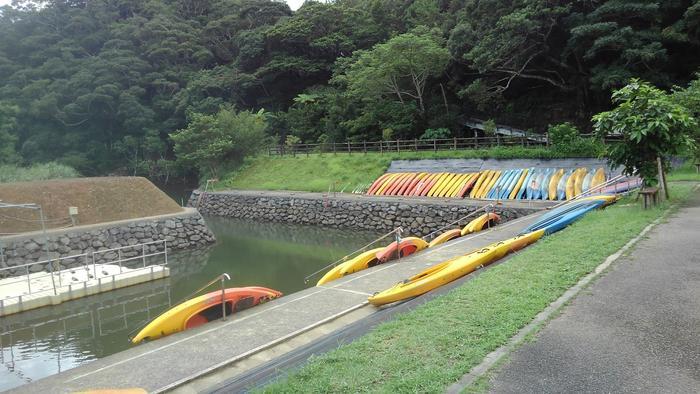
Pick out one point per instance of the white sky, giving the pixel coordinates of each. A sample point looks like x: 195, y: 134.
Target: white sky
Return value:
x: 294, y: 4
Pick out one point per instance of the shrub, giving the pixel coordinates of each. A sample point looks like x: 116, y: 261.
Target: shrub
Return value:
x: 436, y: 134
x: 36, y: 172
x: 566, y: 140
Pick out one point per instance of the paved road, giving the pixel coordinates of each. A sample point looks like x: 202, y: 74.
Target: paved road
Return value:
x: 637, y: 329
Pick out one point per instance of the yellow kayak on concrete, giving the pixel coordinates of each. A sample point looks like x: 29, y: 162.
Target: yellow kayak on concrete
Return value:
x: 444, y: 237
x: 452, y: 269
x: 203, y: 309
x: 357, y: 263
x: 478, y: 224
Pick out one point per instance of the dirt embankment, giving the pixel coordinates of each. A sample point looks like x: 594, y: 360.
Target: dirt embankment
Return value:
x: 98, y: 200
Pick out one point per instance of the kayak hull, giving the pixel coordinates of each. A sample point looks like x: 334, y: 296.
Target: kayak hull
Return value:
x: 202, y: 309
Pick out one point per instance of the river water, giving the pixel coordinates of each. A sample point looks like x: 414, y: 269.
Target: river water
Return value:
x: 46, y: 341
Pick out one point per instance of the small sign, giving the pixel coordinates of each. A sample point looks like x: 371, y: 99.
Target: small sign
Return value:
x: 72, y: 211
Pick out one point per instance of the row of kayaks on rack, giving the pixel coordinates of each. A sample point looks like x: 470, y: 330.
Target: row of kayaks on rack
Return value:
x: 513, y: 184
x: 405, y: 247
x: 455, y: 268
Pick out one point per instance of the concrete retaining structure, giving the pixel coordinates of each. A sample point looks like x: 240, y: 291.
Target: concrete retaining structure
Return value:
x: 415, y: 215
x: 183, y: 230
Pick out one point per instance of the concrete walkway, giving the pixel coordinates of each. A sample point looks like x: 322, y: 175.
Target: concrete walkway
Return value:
x: 182, y: 358
x: 637, y: 329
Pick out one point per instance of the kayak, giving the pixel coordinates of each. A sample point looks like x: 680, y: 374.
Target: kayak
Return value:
x: 561, y: 187
x: 446, y: 236
x: 452, y: 269
x: 203, y: 309
x: 361, y: 261
x: 522, y: 193
x: 516, y: 189
x: 406, y: 247
x: 559, y: 212
x: 480, y: 222
x: 553, y: 183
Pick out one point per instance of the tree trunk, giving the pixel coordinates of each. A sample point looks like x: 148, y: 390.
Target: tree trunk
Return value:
x: 662, y: 177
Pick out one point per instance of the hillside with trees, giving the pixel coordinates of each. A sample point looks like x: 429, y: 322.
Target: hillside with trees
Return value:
x: 120, y: 86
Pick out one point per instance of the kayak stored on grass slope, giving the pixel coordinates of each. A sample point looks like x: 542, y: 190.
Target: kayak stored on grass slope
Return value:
x: 452, y: 269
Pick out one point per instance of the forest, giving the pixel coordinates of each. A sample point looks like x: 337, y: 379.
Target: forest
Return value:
x: 128, y: 86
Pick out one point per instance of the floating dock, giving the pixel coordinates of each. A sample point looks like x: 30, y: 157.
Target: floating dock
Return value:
x: 197, y: 359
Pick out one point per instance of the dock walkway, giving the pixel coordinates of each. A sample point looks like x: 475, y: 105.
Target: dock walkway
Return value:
x: 173, y: 361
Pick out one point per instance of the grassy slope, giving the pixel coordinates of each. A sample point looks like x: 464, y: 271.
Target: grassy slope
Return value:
x: 429, y: 348
x: 686, y: 172
x: 317, y: 172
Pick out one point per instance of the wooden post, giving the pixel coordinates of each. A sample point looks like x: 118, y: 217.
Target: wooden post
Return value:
x: 454, y: 145
x: 364, y: 146
x: 398, y: 148
x: 434, y: 145
x: 349, y: 151
x: 381, y: 147
x: 662, y: 177
x: 415, y: 144
x: 334, y: 147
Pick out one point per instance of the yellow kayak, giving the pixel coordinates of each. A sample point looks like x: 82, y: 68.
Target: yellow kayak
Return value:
x: 203, y: 309
x: 478, y: 224
x: 518, y: 185
x: 357, y: 263
x: 578, y: 184
x: 479, y: 181
x: 444, y: 237
x: 452, y: 269
x: 490, y: 185
x: 570, y: 184
x: 553, y: 183
x: 598, y: 178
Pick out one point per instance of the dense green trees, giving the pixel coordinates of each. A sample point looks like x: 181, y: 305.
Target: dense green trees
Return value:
x: 101, y: 84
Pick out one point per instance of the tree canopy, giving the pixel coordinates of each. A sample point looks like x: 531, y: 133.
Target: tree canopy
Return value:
x: 102, y: 84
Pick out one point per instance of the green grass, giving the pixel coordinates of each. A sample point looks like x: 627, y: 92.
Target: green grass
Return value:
x: 427, y: 349
x: 317, y: 172
x: 686, y: 172
x: 36, y: 172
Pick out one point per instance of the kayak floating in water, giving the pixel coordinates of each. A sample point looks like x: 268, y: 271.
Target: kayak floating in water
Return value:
x: 203, y: 309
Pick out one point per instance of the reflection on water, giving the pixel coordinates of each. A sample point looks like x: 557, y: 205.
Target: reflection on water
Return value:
x: 49, y: 340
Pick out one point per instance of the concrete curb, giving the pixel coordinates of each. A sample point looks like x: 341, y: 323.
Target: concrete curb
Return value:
x: 492, y: 359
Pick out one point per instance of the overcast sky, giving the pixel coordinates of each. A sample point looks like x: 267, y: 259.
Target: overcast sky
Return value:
x: 294, y: 4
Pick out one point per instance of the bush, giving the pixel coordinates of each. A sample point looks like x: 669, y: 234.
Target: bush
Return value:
x: 566, y: 140
x: 36, y: 172
x: 436, y: 134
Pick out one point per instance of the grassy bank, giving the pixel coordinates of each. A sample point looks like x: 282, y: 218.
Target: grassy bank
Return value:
x: 429, y: 348
x: 686, y: 172
x: 36, y: 172
x: 317, y: 172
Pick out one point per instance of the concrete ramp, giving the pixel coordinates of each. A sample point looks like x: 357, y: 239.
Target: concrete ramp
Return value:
x: 182, y: 358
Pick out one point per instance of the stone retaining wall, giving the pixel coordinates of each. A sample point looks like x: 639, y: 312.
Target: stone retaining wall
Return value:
x: 184, y: 230
x: 416, y: 217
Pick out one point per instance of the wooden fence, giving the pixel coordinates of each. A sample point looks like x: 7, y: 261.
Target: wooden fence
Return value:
x: 398, y: 146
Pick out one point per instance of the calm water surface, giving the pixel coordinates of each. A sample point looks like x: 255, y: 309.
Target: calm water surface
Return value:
x: 45, y: 341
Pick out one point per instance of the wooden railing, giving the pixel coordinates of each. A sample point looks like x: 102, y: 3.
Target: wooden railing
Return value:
x: 398, y: 146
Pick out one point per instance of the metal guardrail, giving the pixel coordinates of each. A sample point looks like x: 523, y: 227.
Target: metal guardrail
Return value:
x: 90, y: 262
